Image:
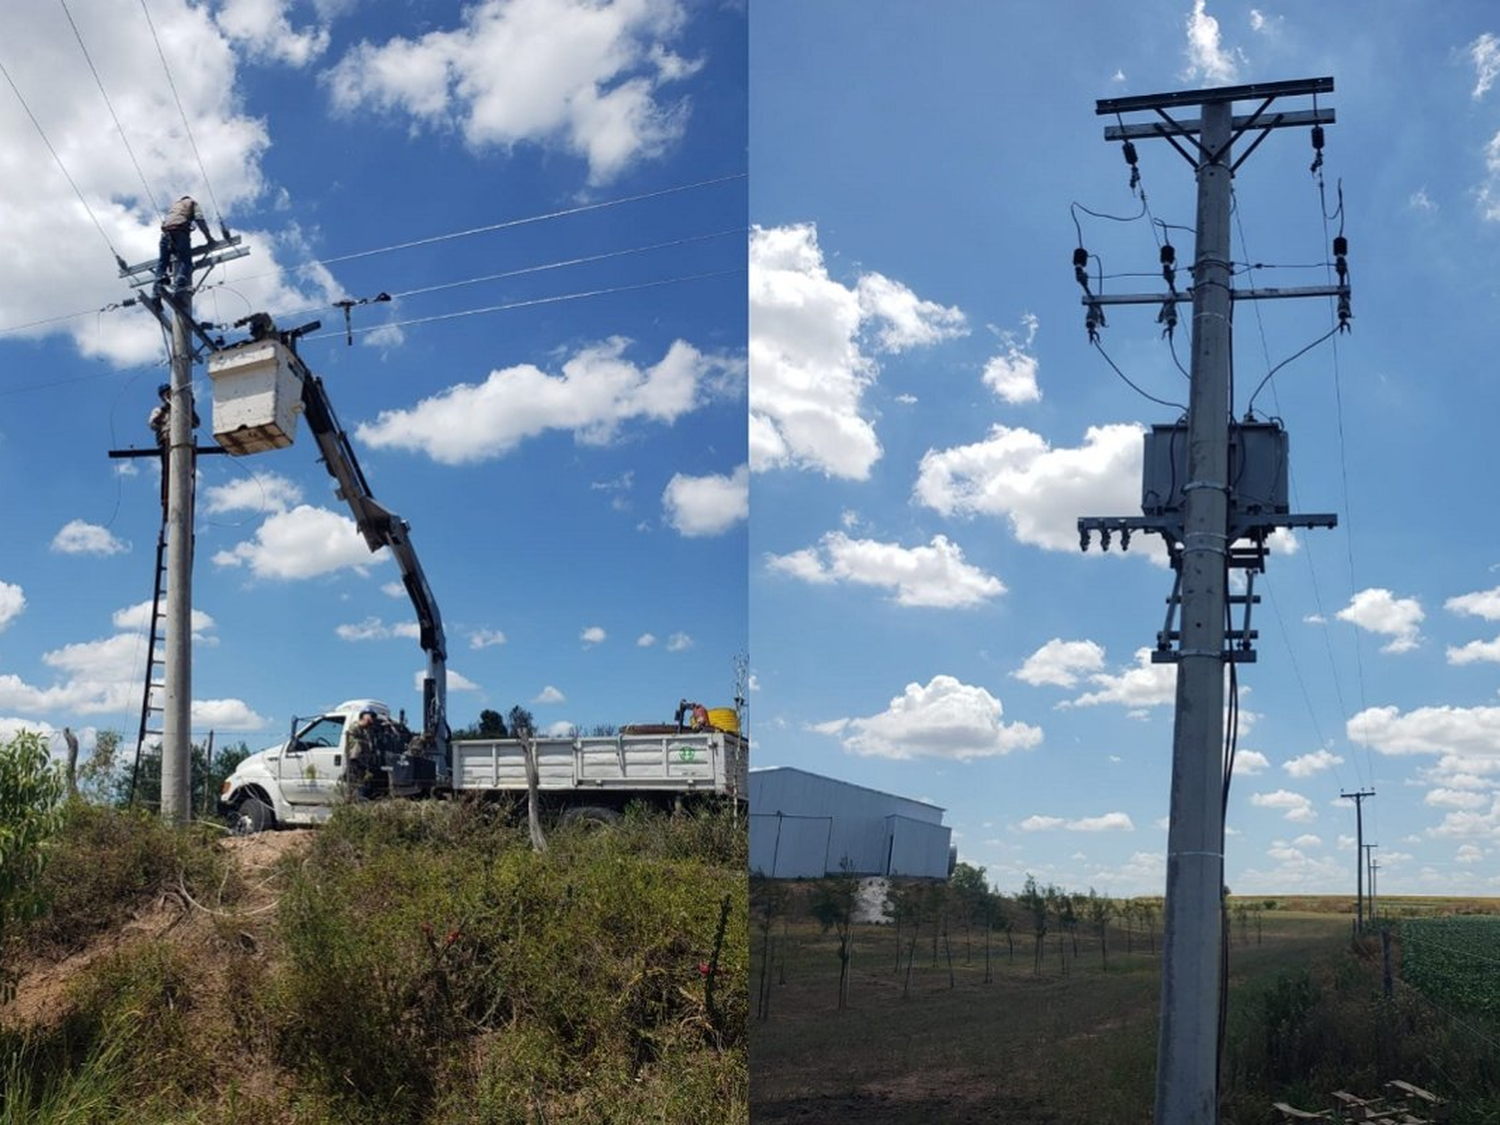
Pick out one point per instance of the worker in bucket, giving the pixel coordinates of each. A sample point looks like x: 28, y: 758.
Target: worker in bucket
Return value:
x: 176, y: 247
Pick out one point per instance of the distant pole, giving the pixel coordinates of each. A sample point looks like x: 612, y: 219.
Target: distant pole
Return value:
x: 1359, y: 855
x: 1374, y: 867
x: 176, y: 749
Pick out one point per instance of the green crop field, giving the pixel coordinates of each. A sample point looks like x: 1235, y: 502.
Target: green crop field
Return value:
x: 1454, y: 961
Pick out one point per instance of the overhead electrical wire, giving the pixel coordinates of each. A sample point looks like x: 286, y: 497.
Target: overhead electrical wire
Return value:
x: 526, y: 304
x: 151, y: 197
x: 61, y: 167
x: 183, y: 113
x: 1132, y: 385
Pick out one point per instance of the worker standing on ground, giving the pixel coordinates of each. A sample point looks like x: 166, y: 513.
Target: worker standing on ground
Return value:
x: 366, y: 744
x: 176, y: 249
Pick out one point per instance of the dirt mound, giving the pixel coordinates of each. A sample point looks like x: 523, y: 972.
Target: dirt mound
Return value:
x: 174, y: 915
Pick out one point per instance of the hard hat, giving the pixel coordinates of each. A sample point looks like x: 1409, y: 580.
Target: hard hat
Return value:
x: 164, y: 389
x: 369, y: 711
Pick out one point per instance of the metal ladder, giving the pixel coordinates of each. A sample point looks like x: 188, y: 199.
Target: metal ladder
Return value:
x: 154, y: 660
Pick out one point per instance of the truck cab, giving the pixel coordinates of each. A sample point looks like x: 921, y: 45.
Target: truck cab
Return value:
x: 299, y: 781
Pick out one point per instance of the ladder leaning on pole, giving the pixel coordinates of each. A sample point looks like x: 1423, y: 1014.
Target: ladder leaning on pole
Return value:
x: 154, y: 660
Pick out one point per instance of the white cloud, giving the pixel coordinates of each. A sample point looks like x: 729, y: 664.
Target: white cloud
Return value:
x: 945, y: 719
x: 549, y: 694
x: 589, y: 78
x: 262, y: 27
x: 645, y: 640
x: 1475, y: 652
x: 932, y: 576
x: 393, y: 590
x: 1145, y: 685
x: 12, y: 603
x: 1379, y: 611
x: 80, y: 538
x: 1308, y: 841
x: 1206, y: 57
x: 63, y: 250
x: 1294, y: 806
x: 1469, y: 853
x: 456, y: 681
x: 262, y: 492
x: 679, y: 642
x: 707, y: 505
x: 1247, y: 763
x: 593, y: 635
x: 1456, y: 799
x: 1471, y: 823
x: 1484, y: 53
x: 596, y: 393
x: 1109, y: 822
x: 224, y: 714
x: 1308, y: 764
x: 96, y: 677
x: 486, y: 638
x: 1015, y: 473
x: 1481, y: 603
x: 302, y: 543
x: 1058, y: 662
x: 1012, y: 374
x: 808, y: 340
x: 374, y: 629
x: 1462, y: 732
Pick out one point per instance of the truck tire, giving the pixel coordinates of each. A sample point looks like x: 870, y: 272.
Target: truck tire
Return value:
x: 253, y: 815
x: 596, y: 816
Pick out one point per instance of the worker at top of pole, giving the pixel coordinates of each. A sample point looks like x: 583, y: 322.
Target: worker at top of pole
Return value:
x: 176, y: 248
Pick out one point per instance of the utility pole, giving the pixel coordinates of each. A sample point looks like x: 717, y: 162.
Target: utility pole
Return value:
x: 1359, y: 855
x: 1202, y: 521
x: 177, y: 704
x: 1374, y: 867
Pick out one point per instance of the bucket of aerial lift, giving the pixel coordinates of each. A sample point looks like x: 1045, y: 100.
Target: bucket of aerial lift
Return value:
x: 257, y: 396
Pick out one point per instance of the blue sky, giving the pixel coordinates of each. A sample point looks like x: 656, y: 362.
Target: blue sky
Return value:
x: 928, y: 420
x: 573, y: 466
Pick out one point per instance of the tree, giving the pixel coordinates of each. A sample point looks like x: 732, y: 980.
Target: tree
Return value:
x: 768, y: 899
x: 521, y: 722
x: 491, y: 725
x: 969, y: 890
x: 31, y: 793
x: 1147, y: 909
x: 96, y: 777
x: 208, y: 771
x: 832, y: 904
x: 1099, y: 910
x: 1035, y: 903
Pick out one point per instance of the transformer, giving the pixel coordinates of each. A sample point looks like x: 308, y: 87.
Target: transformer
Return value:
x: 1258, y: 453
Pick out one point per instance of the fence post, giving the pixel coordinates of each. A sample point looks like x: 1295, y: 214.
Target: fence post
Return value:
x: 1385, y: 957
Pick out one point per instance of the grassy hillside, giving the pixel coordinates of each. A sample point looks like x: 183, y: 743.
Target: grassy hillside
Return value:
x: 407, y: 963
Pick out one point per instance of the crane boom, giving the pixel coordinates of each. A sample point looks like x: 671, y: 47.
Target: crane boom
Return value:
x: 380, y: 527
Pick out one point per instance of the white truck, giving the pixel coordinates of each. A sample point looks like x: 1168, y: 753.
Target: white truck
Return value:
x: 261, y: 385
x: 300, y: 781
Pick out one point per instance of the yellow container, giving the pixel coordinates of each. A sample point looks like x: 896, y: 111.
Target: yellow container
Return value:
x: 724, y: 718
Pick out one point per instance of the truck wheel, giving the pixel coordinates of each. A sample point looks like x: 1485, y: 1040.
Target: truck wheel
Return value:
x: 253, y: 815
x: 591, y: 815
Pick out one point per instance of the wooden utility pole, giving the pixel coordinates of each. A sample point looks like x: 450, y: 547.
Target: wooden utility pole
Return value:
x: 1202, y: 526
x: 1359, y: 855
x: 1370, y: 866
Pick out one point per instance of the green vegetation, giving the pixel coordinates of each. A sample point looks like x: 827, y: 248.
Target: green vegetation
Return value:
x: 1454, y: 961
x: 31, y: 790
x: 410, y: 963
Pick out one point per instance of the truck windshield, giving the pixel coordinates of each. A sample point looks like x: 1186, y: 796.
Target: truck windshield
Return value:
x: 323, y: 732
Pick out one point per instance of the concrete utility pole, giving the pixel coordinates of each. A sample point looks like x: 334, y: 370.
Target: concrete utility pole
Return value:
x: 177, y: 705
x: 1201, y: 535
x: 1374, y: 867
x: 1359, y: 855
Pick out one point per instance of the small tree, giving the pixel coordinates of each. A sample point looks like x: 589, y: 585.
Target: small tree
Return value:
x: 767, y: 900
x: 969, y: 890
x: 1034, y: 901
x: 1099, y: 910
x: 31, y: 793
x: 833, y: 902
x: 1148, y: 909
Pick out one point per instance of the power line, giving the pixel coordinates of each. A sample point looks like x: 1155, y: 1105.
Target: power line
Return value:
x: 183, y: 113
x: 63, y: 168
x: 150, y: 195
x: 1132, y: 385
x: 527, y: 304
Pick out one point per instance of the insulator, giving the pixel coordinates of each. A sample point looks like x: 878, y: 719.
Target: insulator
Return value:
x: 1083, y: 538
x: 1340, y: 246
x: 1317, y: 137
x: 1168, y: 254
x: 1129, y: 150
x: 1080, y: 258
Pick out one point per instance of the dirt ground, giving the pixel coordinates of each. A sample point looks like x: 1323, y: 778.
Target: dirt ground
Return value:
x: 41, y: 993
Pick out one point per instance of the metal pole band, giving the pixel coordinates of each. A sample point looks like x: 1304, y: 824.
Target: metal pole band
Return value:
x: 1194, y: 485
x: 1207, y: 855
x: 1204, y: 653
